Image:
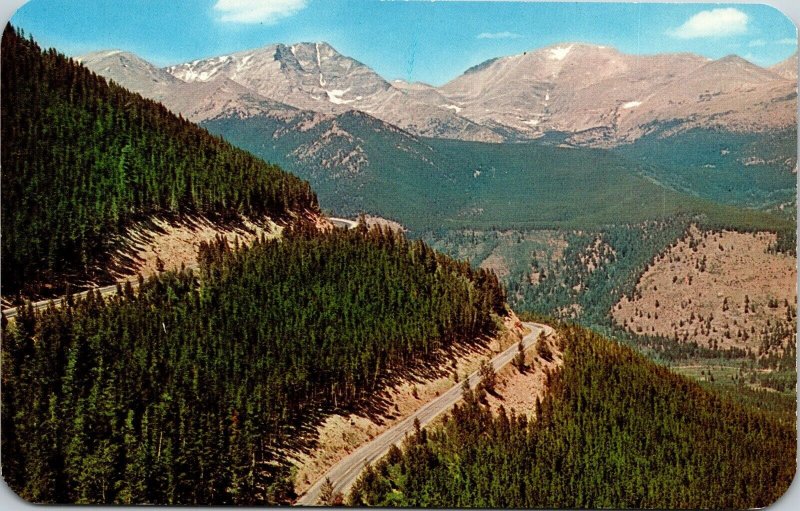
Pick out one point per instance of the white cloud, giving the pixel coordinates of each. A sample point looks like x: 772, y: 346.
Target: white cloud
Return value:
x: 498, y: 35
x: 714, y: 23
x: 760, y: 43
x: 257, y: 11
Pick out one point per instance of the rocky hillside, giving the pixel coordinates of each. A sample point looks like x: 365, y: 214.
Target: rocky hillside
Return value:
x: 309, y: 76
x: 787, y: 68
x: 597, y: 95
x: 603, y: 97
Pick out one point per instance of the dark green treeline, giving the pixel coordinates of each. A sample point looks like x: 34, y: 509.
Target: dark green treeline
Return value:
x: 614, y: 431
x: 187, y: 392
x: 83, y: 158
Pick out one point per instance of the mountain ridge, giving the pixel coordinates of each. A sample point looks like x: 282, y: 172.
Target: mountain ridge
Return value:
x: 787, y: 68
x: 592, y: 92
x: 343, y: 151
x: 314, y: 76
x: 553, y: 89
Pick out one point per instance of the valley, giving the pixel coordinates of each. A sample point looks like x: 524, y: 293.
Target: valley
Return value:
x: 444, y: 184
x: 686, y: 148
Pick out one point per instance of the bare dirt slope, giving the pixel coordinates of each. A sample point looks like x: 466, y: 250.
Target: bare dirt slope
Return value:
x: 385, y: 223
x: 519, y: 390
x: 721, y: 289
x: 787, y: 68
x: 339, y: 435
x: 159, y: 244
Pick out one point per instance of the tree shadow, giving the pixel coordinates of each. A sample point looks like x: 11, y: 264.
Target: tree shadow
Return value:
x: 376, y: 404
x: 121, y: 258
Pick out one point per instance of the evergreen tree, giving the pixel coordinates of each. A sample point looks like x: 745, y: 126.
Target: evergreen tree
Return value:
x: 613, y: 431
x: 191, y: 389
x: 84, y: 159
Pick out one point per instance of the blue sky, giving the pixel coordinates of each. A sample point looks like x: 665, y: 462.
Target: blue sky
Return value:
x: 425, y: 41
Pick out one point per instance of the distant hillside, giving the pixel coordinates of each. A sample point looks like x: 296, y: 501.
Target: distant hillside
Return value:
x: 83, y: 159
x: 613, y: 431
x: 787, y: 68
x: 755, y: 170
x: 358, y: 163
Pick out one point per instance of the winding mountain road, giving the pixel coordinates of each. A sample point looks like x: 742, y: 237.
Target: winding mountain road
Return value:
x: 343, y: 222
x: 111, y: 290
x: 344, y: 474
x: 105, y: 291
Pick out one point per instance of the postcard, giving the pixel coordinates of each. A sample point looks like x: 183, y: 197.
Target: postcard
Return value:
x: 507, y: 255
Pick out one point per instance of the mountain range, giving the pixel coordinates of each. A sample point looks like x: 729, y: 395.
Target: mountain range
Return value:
x: 722, y: 130
x: 595, y: 94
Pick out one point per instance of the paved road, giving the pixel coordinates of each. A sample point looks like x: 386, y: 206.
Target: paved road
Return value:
x: 106, y: 291
x: 345, y: 473
x: 111, y: 290
x: 343, y: 222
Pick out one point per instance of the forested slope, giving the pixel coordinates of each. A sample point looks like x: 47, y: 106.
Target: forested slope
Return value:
x: 744, y: 169
x: 357, y: 163
x: 614, y: 431
x: 83, y: 158
x: 188, y: 392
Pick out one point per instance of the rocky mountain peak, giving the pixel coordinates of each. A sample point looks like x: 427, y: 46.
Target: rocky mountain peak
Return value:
x: 787, y: 69
x: 568, y: 87
x: 738, y: 69
x: 118, y: 64
x: 132, y: 72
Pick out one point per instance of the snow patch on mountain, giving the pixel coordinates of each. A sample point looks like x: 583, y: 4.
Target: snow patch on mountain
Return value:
x: 206, y: 75
x: 242, y: 64
x: 319, y: 67
x: 335, y: 96
x: 560, y: 52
